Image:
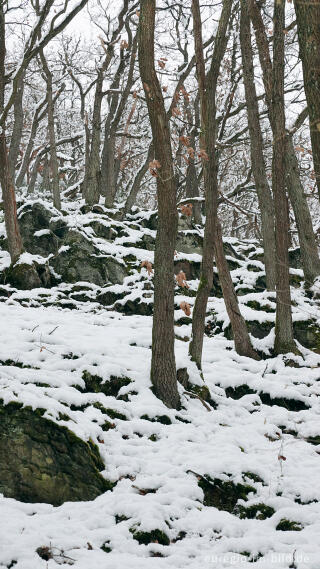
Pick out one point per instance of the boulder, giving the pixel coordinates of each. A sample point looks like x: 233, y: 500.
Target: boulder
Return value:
x: 23, y: 276
x: 43, y: 462
x: 81, y: 261
x: 37, y: 237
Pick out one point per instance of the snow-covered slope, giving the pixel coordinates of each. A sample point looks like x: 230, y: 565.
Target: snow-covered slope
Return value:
x: 231, y: 484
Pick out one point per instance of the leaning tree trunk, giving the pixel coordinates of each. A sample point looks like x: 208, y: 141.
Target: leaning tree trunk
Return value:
x: 308, y: 24
x: 284, y: 341
x: 308, y: 245
x: 212, y: 242
x: 265, y: 198
x: 163, y: 368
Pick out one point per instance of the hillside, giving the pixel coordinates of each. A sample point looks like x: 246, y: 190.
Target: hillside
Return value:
x: 229, y: 480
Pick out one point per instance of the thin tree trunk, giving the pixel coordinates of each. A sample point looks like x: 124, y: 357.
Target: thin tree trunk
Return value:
x: 308, y: 24
x: 163, y: 368
x: 7, y: 184
x: 9, y: 204
x: 212, y: 242
x: 295, y: 188
x: 52, y: 136
x: 92, y: 187
x: 17, y: 129
x: 256, y: 146
x: 308, y: 245
x: 284, y: 341
x: 132, y: 196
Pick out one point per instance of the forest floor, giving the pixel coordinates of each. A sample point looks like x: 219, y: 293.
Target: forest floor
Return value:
x: 231, y: 482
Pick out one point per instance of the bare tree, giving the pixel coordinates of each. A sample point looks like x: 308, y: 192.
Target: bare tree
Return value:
x: 256, y: 146
x: 212, y: 243
x: 163, y: 369
x: 308, y: 24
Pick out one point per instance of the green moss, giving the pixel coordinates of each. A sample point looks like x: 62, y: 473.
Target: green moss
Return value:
x: 255, y: 305
x: 256, y: 511
x: 41, y: 461
x: 223, y: 495
x: 18, y: 364
x: 121, y: 518
x: 163, y: 419
x: 288, y: 525
x: 95, y: 384
x: 154, y: 536
x: 106, y: 547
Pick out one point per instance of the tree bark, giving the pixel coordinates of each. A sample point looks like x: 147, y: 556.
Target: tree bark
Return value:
x: 308, y: 245
x: 9, y: 204
x: 212, y: 242
x: 17, y: 129
x: 310, y: 262
x: 7, y: 184
x: 284, y: 341
x: 54, y: 167
x: 163, y: 369
x: 308, y: 24
x: 92, y: 177
x: 256, y: 147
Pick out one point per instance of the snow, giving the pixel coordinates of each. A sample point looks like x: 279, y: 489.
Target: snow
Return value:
x: 44, y: 351
x: 240, y: 436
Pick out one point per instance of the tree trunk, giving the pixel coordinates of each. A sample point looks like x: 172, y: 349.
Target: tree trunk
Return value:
x: 308, y: 245
x: 163, y: 369
x: 7, y: 184
x: 295, y: 188
x: 212, y: 242
x: 9, y: 204
x: 308, y: 24
x: 17, y: 129
x: 92, y: 177
x: 284, y: 341
x: 52, y: 136
x: 256, y: 146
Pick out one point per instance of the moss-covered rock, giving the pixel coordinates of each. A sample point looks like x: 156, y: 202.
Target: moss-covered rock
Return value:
x: 23, y: 276
x: 223, y: 495
x: 95, y: 384
x: 154, y: 536
x: 43, y: 462
x: 81, y: 261
x: 307, y: 332
x: 288, y: 525
x: 256, y: 511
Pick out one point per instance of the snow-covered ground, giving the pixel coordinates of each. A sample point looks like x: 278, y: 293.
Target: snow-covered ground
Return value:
x: 263, y: 432
x: 240, y: 436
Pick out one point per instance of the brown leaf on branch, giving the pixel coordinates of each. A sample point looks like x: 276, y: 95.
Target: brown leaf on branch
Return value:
x: 186, y: 308
x: 124, y: 44
x: 181, y: 280
x: 185, y: 140
x: 186, y: 209
x: 148, y: 266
